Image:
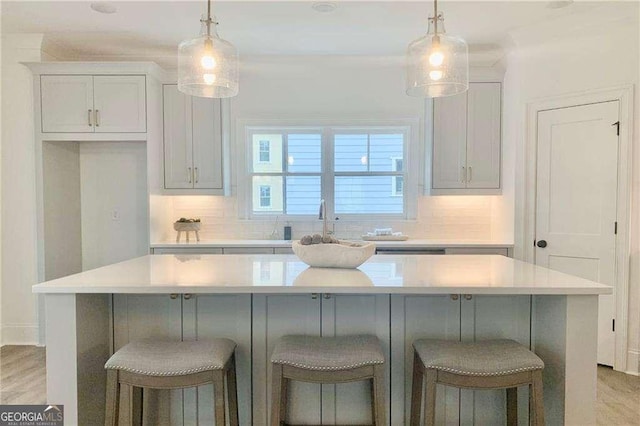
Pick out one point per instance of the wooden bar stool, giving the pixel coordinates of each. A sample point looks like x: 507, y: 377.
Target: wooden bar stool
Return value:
x: 171, y: 365
x: 327, y: 360
x: 492, y: 364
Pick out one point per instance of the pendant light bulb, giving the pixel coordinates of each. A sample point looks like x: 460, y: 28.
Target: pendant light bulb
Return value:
x: 436, y: 58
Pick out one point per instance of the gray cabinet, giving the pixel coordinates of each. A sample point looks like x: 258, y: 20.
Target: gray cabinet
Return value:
x: 193, y: 149
x: 320, y: 314
x: 462, y: 318
x: 466, y: 142
x: 93, y: 104
x: 187, y: 317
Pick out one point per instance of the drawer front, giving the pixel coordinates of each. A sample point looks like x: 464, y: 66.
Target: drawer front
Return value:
x: 480, y: 250
x: 248, y: 250
x: 185, y: 250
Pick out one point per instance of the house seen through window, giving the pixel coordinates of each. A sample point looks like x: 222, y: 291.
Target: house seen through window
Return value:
x: 357, y: 171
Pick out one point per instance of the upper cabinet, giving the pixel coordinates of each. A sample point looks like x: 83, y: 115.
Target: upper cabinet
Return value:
x: 93, y: 104
x: 466, y: 149
x: 193, y: 149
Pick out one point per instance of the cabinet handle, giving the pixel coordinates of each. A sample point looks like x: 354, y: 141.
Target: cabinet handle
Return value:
x: 173, y: 295
x: 189, y: 174
x: 327, y: 296
x: 463, y: 175
x: 468, y: 296
x: 314, y: 296
x: 187, y: 296
x: 454, y: 297
x: 197, y: 175
x: 469, y: 173
x: 89, y: 117
x: 97, y: 119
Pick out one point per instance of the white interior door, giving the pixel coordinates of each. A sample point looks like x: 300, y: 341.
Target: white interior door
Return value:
x: 577, y: 171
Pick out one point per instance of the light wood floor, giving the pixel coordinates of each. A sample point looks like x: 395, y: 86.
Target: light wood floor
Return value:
x: 22, y: 381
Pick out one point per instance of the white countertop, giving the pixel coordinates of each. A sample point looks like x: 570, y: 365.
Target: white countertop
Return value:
x: 412, y: 243
x: 416, y: 274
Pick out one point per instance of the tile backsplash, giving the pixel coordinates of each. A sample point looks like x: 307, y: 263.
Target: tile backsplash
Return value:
x: 438, y: 217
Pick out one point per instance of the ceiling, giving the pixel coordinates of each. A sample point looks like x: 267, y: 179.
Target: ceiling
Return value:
x: 151, y: 30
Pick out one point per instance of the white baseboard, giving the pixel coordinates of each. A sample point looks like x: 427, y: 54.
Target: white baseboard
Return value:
x: 20, y: 334
x: 633, y: 362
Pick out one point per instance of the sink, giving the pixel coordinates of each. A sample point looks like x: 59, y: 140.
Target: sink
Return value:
x: 344, y: 254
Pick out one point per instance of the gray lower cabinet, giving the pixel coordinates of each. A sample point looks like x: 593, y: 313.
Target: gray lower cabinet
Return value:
x: 456, y: 318
x: 189, y: 318
x: 257, y: 322
x: 273, y: 317
x: 324, y: 314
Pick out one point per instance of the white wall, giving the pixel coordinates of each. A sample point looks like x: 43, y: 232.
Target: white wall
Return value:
x: 332, y: 88
x: 583, y: 58
x: 62, y: 209
x: 18, y: 240
x: 114, y: 196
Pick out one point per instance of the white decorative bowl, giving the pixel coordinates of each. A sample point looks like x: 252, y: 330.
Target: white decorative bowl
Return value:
x: 344, y: 254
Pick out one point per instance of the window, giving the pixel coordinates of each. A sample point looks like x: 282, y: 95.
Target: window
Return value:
x: 265, y: 152
x: 357, y: 171
x: 265, y: 196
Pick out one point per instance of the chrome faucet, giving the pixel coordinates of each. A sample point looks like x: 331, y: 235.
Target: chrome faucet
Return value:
x: 322, y: 215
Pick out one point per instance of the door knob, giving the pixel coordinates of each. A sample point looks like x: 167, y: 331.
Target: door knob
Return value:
x: 541, y: 243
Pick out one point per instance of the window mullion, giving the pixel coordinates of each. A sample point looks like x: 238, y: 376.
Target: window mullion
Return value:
x: 328, y: 183
x: 285, y: 170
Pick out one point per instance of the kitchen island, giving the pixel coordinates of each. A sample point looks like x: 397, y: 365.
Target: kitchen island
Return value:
x: 255, y: 299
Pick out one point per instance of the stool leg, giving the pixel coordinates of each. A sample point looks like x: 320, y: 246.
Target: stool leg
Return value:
x: 430, y: 397
x: 277, y: 385
x: 379, y: 400
x: 232, y: 390
x: 536, y: 400
x: 512, y: 406
x: 113, y: 399
x: 416, y: 390
x: 136, y: 406
x: 218, y: 397
x: 126, y: 405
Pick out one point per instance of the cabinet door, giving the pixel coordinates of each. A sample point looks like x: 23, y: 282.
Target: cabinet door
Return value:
x: 138, y: 317
x: 350, y: 403
x: 120, y: 104
x: 178, y: 158
x: 207, y: 143
x: 219, y: 316
x: 273, y: 317
x: 494, y: 317
x: 483, y: 135
x: 449, y: 142
x: 420, y: 317
x: 67, y: 103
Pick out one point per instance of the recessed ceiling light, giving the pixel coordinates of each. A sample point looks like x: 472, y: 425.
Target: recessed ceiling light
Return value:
x: 559, y: 4
x: 103, y: 7
x: 324, y: 6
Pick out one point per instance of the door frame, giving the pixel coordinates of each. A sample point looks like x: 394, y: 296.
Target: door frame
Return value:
x: 624, y: 95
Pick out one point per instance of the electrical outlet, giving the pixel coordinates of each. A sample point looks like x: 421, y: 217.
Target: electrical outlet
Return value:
x: 115, y: 215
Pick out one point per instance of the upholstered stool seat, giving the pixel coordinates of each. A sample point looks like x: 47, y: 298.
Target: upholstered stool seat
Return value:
x: 322, y: 353
x: 487, y: 358
x: 170, y: 365
x: 327, y: 360
x: 158, y: 358
x: 491, y: 364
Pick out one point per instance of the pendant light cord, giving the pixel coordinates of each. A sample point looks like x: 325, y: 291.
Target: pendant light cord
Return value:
x: 435, y: 17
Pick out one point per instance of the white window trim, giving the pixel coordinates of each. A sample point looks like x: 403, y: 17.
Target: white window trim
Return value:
x: 413, y: 153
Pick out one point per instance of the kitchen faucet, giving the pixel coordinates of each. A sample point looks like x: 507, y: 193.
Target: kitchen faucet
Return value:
x: 322, y: 215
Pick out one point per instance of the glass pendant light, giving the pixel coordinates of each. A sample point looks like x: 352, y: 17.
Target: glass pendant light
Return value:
x: 207, y: 64
x: 437, y: 64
